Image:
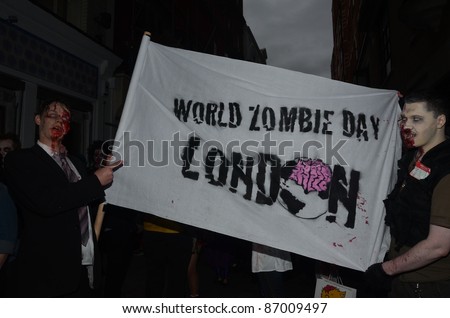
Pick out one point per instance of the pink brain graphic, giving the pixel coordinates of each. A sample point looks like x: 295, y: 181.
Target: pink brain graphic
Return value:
x: 311, y: 175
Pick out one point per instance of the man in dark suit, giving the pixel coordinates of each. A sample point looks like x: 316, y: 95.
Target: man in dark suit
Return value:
x: 57, y: 250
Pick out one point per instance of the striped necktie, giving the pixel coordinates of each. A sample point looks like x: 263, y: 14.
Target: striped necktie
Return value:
x: 82, y: 211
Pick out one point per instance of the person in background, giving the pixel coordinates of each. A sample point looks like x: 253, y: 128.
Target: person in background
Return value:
x: 417, y: 210
x: 8, y: 236
x: 220, y: 252
x: 270, y: 265
x: 167, y: 247
x: 116, y: 244
x: 8, y: 214
x: 117, y: 233
x: 8, y: 142
x: 192, y: 272
x: 57, y: 251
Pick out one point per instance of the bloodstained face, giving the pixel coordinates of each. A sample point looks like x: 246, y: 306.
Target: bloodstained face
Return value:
x: 54, y: 124
x: 420, y: 127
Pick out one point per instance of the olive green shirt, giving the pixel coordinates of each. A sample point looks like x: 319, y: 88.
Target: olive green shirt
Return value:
x: 440, y: 216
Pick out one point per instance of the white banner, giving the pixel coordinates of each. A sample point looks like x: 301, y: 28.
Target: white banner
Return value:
x: 294, y: 161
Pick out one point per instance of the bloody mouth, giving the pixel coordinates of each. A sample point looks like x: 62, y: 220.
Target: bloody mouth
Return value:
x: 57, y: 132
x: 408, y: 137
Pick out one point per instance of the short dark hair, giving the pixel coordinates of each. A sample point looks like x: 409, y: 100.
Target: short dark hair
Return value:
x: 44, y: 106
x: 435, y: 101
x: 14, y: 137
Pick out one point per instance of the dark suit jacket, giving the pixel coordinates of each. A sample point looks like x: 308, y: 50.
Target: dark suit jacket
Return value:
x: 48, y: 263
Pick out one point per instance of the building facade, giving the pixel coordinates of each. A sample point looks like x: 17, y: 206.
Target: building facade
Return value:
x: 397, y: 44
x: 84, y: 52
x: 214, y: 27
x: 43, y: 57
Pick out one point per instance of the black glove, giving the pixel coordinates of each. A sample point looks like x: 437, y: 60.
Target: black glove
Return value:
x: 377, y: 279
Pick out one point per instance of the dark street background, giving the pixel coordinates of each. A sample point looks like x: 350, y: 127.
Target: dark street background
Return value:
x: 300, y: 282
